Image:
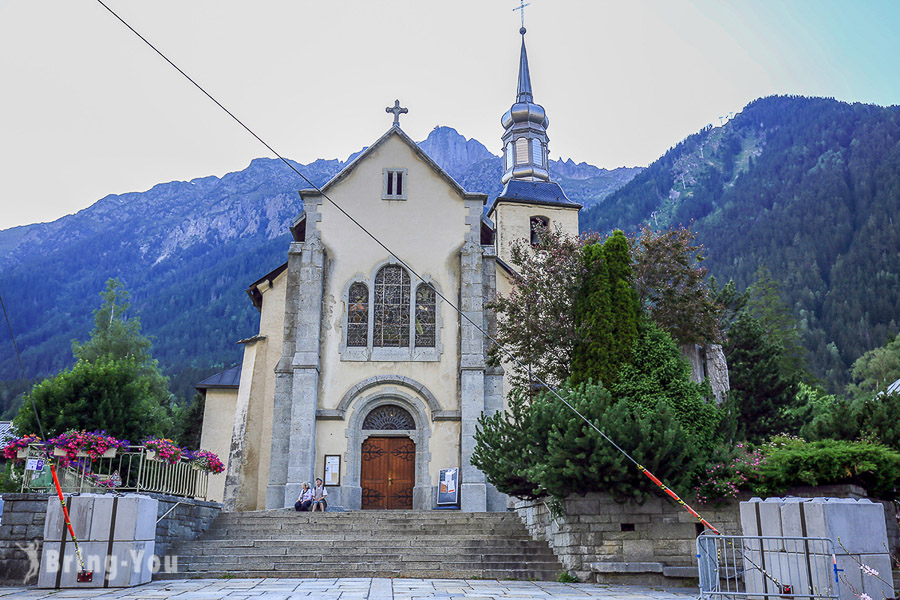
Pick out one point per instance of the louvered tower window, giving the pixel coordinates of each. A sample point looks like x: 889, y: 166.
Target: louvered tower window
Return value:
x: 537, y: 153
x: 522, y: 151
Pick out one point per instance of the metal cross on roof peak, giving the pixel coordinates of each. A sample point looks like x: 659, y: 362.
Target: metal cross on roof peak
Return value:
x: 397, y: 110
x: 521, y: 8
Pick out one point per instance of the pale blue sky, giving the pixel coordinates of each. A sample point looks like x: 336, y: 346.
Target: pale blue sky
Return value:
x: 87, y: 110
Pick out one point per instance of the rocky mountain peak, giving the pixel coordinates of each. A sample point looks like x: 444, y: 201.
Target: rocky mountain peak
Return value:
x: 453, y: 152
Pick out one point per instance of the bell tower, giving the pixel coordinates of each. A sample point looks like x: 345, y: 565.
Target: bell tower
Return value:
x: 525, y: 131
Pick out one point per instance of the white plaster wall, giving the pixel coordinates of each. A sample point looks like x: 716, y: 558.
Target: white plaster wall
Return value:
x: 271, y: 325
x: 218, y: 421
x: 426, y: 230
x: 513, y: 222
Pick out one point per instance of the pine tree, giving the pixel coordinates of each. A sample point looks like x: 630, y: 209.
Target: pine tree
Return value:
x: 763, y: 386
x: 607, y: 313
x: 115, y: 384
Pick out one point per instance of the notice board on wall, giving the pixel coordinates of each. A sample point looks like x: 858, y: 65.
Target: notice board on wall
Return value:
x: 448, y: 487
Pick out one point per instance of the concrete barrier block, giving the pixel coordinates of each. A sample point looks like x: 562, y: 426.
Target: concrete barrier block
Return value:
x: 874, y: 586
x: 748, y: 517
x: 93, y: 554
x: 858, y: 524
x: 132, y: 562
x: 136, y: 518
x: 81, y: 510
x: 102, y: 518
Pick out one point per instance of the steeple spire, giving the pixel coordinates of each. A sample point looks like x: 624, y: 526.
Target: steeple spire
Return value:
x: 525, y: 136
x: 524, y: 93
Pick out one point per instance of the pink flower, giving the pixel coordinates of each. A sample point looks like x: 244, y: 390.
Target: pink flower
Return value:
x: 868, y: 571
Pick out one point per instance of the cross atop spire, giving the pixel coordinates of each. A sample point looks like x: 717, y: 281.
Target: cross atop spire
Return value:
x: 397, y: 110
x: 521, y: 9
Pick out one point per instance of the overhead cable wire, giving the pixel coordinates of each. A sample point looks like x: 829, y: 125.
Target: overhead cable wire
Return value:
x: 477, y: 326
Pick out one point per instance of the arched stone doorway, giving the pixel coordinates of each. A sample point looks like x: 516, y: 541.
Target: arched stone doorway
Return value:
x: 388, y: 469
x: 387, y: 453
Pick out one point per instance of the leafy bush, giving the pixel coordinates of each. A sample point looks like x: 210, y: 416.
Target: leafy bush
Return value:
x: 508, y: 444
x: 658, y: 373
x: 728, y: 473
x: 545, y: 449
x: 794, y: 461
x: 875, y: 419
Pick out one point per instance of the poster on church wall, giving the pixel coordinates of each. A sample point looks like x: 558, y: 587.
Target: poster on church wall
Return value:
x: 332, y: 469
x: 448, y: 487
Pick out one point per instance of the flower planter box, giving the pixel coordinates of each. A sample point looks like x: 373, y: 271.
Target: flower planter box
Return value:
x: 59, y: 452
x: 111, y: 453
x: 81, y: 454
x: 152, y: 455
x: 22, y: 453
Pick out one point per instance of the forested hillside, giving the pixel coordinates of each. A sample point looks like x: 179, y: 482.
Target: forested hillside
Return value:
x: 807, y: 187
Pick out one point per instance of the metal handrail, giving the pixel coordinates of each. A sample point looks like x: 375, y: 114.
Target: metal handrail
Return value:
x: 133, y: 469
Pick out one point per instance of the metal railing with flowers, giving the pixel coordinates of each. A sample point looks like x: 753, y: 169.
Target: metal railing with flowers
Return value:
x: 97, y: 463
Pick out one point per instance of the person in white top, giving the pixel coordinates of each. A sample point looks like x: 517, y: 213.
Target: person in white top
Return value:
x: 304, y: 500
x: 319, y: 494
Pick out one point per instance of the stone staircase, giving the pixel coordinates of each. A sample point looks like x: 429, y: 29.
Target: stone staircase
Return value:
x: 436, y: 544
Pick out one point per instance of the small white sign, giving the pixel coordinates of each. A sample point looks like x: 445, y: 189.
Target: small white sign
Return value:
x: 34, y: 464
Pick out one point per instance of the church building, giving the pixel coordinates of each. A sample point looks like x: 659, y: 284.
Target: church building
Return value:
x: 362, y: 373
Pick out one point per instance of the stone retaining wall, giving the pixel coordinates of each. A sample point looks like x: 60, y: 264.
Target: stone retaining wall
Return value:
x: 23, y: 528
x: 649, y: 536
x: 599, y: 539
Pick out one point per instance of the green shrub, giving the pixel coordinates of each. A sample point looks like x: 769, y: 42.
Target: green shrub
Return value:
x: 875, y: 419
x: 729, y: 472
x: 793, y: 461
x: 546, y: 449
x: 659, y: 373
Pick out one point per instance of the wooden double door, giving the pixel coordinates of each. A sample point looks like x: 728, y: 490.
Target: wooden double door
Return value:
x: 388, y: 473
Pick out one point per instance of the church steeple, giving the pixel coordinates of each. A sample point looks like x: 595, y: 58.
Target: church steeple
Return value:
x: 525, y: 131
x: 524, y: 92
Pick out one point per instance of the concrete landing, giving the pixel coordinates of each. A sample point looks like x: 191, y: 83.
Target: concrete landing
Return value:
x: 360, y: 589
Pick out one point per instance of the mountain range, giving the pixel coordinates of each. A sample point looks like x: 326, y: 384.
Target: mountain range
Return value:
x: 808, y: 188
x: 187, y: 250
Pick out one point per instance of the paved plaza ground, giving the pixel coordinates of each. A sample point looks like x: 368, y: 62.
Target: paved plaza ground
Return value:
x: 360, y: 589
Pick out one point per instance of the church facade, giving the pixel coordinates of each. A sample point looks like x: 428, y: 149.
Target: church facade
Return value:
x: 362, y: 370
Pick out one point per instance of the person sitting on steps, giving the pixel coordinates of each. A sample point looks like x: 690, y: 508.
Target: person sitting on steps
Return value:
x: 305, y: 499
x: 319, y: 494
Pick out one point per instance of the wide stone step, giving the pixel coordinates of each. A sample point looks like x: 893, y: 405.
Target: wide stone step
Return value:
x: 436, y: 557
x: 503, y: 574
x: 455, y: 544
x: 339, y: 553
x: 231, y: 534
x: 285, y: 543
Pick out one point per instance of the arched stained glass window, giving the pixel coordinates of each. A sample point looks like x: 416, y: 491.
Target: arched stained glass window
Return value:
x: 389, y: 417
x: 391, y: 304
x: 425, y: 316
x: 358, y: 315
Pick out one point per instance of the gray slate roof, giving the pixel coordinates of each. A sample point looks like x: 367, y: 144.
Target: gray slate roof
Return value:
x: 546, y: 193
x: 230, y: 378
